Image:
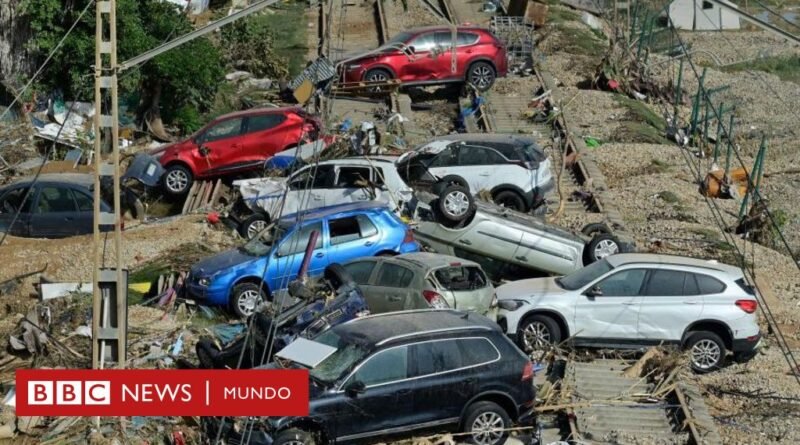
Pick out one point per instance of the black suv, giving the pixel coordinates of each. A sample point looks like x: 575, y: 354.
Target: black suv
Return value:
x: 403, y: 374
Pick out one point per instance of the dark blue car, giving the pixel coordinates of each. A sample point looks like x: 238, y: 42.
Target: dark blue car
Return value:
x: 347, y: 231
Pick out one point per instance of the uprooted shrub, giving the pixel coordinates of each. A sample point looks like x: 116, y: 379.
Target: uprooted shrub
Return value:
x: 250, y: 46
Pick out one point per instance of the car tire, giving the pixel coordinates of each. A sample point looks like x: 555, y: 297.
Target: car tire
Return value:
x: 242, y: 296
x: 706, y: 351
x: 337, y: 275
x: 480, y: 418
x: 455, y: 203
x: 177, y: 180
x: 594, y: 229
x: 599, y: 247
x: 442, y: 184
x: 537, y: 327
x: 294, y: 436
x: 252, y: 225
x: 207, y: 351
x: 510, y: 200
x: 481, y: 75
x: 377, y: 75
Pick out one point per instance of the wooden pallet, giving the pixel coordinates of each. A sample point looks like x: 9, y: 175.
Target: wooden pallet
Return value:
x: 204, y: 195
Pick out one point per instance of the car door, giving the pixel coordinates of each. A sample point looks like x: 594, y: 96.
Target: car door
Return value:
x: 547, y: 251
x: 220, y: 146
x: 308, y: 187
x: 17, y: 202
x: 423, y: 63
x: 364, y: 273
x: 385, y: 402
x: 286, y: 259
x: 56, y: 213
x: 444, y: 51
x: 466, y: 50
x: 487, y: 237
x: 352, y: 237
x: 392, y: 287
x: 446, y: 381
x: 671, y: 301
x: 264, y: 137
x: 613, y: 313
x: 350, y: 185
x: 85, y: 203
x: 478, y: 165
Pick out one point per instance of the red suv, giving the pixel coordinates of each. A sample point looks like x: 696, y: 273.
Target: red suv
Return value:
x: 424, y: 55
x: 234, y: 143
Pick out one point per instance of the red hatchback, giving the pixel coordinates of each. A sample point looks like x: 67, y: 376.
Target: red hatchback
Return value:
x: 234, y: 143
x: 424, y: 56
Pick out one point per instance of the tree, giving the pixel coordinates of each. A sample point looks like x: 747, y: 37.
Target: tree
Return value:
x: 188, y: 75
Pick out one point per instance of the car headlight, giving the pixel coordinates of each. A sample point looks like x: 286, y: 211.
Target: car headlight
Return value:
x: 204, y: 281
x: 510, y: 305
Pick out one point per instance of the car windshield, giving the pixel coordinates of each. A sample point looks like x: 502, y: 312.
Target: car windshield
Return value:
x: 262, y: 243
x: 347, y: 354
x: 584, y: 276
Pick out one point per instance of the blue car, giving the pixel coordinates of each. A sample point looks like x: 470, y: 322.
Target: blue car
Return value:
x: 347, y: 231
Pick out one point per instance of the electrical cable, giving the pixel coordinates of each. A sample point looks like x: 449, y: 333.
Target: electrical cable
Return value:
x: 46, y: 61
x: 768, y: 9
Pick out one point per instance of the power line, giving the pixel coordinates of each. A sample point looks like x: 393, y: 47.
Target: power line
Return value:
x: 47, y: 60
x: 771, y: 11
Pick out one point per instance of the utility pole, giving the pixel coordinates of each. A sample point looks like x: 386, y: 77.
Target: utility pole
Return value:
x: 110, y: 290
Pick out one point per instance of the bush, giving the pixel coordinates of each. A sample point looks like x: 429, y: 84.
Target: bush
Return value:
x: 250, y: 47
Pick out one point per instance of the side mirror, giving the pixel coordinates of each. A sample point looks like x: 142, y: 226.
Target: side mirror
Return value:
x: 412, y: 50
x: 594, y: 292
x: 354, y: 388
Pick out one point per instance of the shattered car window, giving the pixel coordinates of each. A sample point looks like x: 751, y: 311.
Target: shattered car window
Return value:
x: 584, y: 276
x: 12, y: 201
x: 461, y: 278
x: 337, y: 364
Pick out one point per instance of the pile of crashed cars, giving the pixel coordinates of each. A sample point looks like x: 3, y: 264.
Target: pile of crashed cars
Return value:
x: 379, y: 275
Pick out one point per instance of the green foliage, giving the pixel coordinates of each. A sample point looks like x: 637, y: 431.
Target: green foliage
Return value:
x: 249, y: 46
x: 187, y: 75
x: 188, y: 119
x: 787, y: 68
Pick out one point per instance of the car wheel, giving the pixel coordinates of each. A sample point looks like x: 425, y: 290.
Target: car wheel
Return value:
x: 599, y: 247
x: 456, y: 203
x: 294, y: 436
x: 253, y: 225
x: 487, y: 423
x: 706, y: 351
x: 442, y: 184
x: 538, y: 332
x: 481, y: 75
x: 595, y: 228
x: 377, y: 75
x: 510, y: 200
x: 207, y: 352
x: 177, y: 180
x: 246, y: 297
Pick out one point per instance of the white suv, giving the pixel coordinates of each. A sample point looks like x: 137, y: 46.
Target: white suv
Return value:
x: 327, y: 183
x: 512, y: 169
x: 636, y: 300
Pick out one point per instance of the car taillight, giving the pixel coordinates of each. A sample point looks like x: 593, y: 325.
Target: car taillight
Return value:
x: 409, y: 236
x: 748, y: 306
x: 435, y: 300
x: 527, y: 373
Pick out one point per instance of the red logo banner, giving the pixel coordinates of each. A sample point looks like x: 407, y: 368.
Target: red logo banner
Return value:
x: 252, y: 392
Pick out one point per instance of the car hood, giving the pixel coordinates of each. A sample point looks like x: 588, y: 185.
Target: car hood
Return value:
x: 528, y: 288
x: 225, y: 260
x: 259, y: 189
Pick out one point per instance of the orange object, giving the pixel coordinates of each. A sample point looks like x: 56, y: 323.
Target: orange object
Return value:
x: 713, y: 184
x: 213, y: 218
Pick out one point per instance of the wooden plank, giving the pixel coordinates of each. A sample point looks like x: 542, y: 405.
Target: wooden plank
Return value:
x: 217, y: 192
x: 189, y: 197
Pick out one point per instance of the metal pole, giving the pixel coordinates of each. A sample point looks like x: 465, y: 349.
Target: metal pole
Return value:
x: 719, y: 134
x: 96, y: 246
x: 762, y: 154
x: 730, y: 149
x: 122, y: 289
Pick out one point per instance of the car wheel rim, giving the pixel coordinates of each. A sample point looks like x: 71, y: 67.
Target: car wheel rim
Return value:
x: 482, y: 76
x: 456, y: 203
x: 247, y: 302
x: 487, y: 428
x: 536, y: 335
x: 605, y: 248
x: 255, y: 228
x: 377, y: 77
x: 177, y: 180
x: 705, y: 354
